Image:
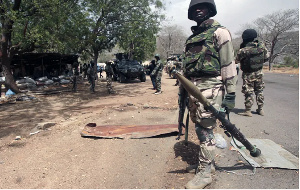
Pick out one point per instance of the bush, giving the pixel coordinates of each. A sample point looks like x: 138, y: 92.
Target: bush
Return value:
x: 290, y: 62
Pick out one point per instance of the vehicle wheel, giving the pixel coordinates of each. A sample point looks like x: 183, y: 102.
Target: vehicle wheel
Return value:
x: 115, y: 78
x: 122, y: 78
x: 143, y: 77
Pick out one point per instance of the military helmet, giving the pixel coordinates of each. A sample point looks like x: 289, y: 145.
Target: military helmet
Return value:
x: 156, y: 55
x: 249, y: 34
x: 210, y: 3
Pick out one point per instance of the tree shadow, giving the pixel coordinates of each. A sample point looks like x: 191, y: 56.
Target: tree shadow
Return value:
x: 20, y: 117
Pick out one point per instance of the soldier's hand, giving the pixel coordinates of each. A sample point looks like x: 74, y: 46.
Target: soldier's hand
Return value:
x: 229, y: 101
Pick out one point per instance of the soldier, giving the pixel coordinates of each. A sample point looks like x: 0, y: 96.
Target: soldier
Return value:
x: 209, y: 64
x: 84, y: 70
x: 91, y: 76
x: 158, y: 72
x: 109, y: 74
x: 153, y: 77
x: 75, y: 75
x: 252, y: 55
x: 178, y: 68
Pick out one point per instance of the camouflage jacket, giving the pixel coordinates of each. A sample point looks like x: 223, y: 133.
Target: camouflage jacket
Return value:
x: 209, y: 53
x: 158, y: 68
x: 252, y: 57
x: 109, y: 69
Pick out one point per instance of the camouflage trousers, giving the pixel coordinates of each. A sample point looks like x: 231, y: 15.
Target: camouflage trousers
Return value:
x: 205, y: 122
x: 158, y: 81
x: 74, y: 88
x: 109, y: 83
x: 253, y: 84
x: 92, y: 84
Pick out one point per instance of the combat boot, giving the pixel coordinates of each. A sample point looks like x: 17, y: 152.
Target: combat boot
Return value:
x: 193, y: 168
x: 201, y: 179
x: 260, y: 111
x: 247, y: 112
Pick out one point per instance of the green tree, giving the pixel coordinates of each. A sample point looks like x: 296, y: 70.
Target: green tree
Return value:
x: 40, y: 26
x: 113, y: 21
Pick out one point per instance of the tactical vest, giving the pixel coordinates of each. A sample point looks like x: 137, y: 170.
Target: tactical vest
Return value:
x: 201, y: 53
x: 253, y: 57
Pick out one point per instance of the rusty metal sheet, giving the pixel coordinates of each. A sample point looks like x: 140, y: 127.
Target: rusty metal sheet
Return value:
x: 127, y: 131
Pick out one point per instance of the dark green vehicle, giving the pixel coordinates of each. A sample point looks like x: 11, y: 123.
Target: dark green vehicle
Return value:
x: 126, y: 69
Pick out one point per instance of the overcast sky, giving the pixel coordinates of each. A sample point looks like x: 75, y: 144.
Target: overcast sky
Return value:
x: 231, y: 13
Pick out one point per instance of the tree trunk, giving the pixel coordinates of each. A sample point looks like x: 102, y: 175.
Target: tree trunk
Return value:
x: 270, y: 65
x: 9, y: 79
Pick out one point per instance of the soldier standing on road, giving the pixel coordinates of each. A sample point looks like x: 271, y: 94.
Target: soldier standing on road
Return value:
x: 252, y: 55
x: 91, y: 76
x: 209, y: 64
x: 153, y: 77
x: 157, y: 71
x: 109, y: 74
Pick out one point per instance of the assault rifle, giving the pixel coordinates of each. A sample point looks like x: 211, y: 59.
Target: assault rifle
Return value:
x: 227, y: 125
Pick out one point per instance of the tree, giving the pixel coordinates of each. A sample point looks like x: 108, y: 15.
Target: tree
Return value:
x: 126, y: 22
x: 171, y: 39
x: 38, y: 25
x: 138, y: 34
x: 274, y: 30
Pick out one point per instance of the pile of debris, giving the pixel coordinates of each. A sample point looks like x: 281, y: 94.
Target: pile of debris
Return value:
x: 28, y: 83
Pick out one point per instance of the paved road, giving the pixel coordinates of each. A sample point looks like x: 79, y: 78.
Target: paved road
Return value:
x: 280, y: 124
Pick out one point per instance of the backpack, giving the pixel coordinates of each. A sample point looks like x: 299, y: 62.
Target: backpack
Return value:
x: 253, y: 57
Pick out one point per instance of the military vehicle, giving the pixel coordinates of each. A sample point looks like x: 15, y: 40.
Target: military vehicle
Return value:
x: 126, y: 69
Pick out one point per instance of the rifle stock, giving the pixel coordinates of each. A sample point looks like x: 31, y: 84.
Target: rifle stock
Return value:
x: 194, y: 91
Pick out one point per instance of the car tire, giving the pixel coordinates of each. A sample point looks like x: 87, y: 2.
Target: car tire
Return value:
x: 143, y: 77
x: 122, y: 78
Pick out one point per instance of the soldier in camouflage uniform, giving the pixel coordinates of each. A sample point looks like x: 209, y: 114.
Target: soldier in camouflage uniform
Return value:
x: 75, y: 75
x: 91, y: 76
x: 158, y: 72
x: 109, y: 74
x: 209, y: 64
x: 251, y: 56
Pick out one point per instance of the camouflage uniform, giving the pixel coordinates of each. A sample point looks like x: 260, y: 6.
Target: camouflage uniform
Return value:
x: 109, y: 74
x: 75, y: 76
x: 91, y: 77
x: 209, y: 64
x: 252, y: 75
x: 157, y: 71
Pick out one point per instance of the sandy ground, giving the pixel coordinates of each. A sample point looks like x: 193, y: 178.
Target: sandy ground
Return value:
x: 58, y: 157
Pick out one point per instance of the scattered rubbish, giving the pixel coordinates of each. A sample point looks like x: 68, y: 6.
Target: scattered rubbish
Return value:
x: 34, y: 133
x: 25, y: 98
x: 41, y: 127
x: 9, y: 93
x: 220, y: 141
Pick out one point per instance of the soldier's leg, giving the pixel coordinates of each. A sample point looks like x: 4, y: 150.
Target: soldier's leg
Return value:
x: 259, y: 85
x: 204, y: 125
x: 248, y: 90
x: 158, y: 83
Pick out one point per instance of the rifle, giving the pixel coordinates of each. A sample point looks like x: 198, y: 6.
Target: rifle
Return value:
x: 227, y: 125
x: 183, y: 99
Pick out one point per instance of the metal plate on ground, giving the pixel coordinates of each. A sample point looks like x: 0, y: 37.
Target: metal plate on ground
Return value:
x: 127, y: 131
x: 272, y: 155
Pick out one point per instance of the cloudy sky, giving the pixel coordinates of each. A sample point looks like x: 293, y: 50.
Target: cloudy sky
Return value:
x: 231, y: 13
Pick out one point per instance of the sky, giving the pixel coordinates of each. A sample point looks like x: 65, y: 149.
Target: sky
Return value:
x: 232, y: 14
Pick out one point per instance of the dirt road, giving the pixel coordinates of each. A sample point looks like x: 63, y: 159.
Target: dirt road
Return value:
x: 59, y: 157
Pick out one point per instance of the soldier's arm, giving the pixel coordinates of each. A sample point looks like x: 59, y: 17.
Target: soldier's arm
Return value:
x: 226, y: 54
